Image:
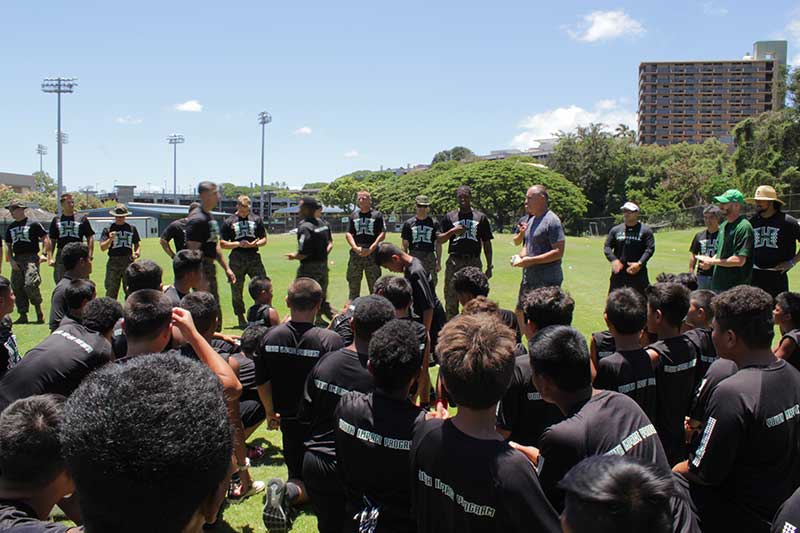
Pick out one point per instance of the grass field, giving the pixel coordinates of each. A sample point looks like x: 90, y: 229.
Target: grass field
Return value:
x: 586, y: 273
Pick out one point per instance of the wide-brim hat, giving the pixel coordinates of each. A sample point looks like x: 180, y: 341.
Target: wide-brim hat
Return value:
x: 15, y: 205
x: 422, y: 200
x: 310, y: 201
x: 120, y: 211
x: 765, y: 192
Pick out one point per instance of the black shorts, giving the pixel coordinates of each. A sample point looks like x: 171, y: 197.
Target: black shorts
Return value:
x: 772, y: 282
x: 294, y: 435
x: 326, y: 491
x: 638, y: 281
x: 252, y: 412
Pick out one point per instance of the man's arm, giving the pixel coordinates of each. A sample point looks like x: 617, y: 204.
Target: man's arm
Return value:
x: 405, y: 245
x: 265, y: 394
x: 649, y: 247
x: 224, y: 264
x: 352, y: 242
x: 548, y: 257
x: 105, y: 244
x: 374, y: 246
x: 438, y: 255
x: 487, y: 251
x: 608, y: 247
x: 90, y: 244
x: 165, y: 245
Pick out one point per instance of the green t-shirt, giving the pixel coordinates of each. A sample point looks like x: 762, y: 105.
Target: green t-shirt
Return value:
x: 735, y: 238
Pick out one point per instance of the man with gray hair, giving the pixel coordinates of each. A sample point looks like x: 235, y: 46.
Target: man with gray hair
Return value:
x: 705, y: 243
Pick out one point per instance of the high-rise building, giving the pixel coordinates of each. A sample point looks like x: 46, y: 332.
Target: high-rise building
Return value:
x: 690, y: 101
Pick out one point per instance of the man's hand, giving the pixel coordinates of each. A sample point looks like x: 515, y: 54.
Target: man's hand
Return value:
x: 439, y: 411
x: 231, y: 276
x: 292, y: 256
x: 231, y: 339
x: 438, y: 267
x: 273, y: 420
x: 633, y: 268
x: 42, y: 259
x: 111, y: 235
x: 136, y: 255
x: 489, y: 272
x: 182, y: 319
x: 516, y: 260
x: 522, y: 227
x: 364, y: 252
x: 529, y: 451
x: 51, y: 262
x: 245, y: 244
x: 704, y: 266
x: 706, y: 260
x: 458, y: 229
x: 616, y: 266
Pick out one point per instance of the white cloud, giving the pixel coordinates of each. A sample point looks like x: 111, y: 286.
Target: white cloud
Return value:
x: 546, y: 124
x: 351, y: 154
x: 192, y: 106
x: 604, y: 26
x: 128, y: 120
x: 305, y: 131
x: 713, y: 10
x: 792, y: 34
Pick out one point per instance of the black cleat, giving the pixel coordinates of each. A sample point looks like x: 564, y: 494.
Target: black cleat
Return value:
x: 277, y: 513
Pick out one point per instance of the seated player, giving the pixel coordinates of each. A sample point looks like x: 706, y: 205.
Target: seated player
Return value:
x: 788, y: 518
x: 172, y: 461
x: 187, y: 267
x: 261, y: 312
x: 75, y: 256
x: 146, y: 323
x: 59, y: 363
x: 697, y: 328
x: 465, y: 477
x: 78, y: 293
x: 9, y: 351
x: 250, y: 406
x: 374, y: 433
x: 675, y: 360
x: 629, y: 370
x: 787, y: 317
x: 142, y: 274
x: 523, y: 414
x: 471, y: 282
x: 687, y: 279
x: 613, y: 494
x: 747, y: 461
x: 32, y: 474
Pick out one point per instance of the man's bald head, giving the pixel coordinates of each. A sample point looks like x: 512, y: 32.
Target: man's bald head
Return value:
x: 536, y: 200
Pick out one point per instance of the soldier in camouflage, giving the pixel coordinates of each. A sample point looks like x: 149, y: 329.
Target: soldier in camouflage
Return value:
x: 22, y: 251
x: 66, y: 229
x: 365, y: 233
x: 420, y: 239
x: 124, y: 246
x: 313, y: 246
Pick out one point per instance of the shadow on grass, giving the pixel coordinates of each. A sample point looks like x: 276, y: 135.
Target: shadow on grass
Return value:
x: 273, y: 455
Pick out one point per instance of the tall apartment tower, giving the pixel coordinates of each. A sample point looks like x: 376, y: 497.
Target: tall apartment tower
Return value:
x: 690, y: 101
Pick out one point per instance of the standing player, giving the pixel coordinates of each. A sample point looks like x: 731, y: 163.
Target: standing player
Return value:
x: 365, y: 233
x: 243, y: 233
x: 466, y: 230
x: 420, y: 239
x: 123, y: 245
x: 64, y: 230
x: 176, y: 231
x: 22, y: 251
x: 628, y: 248
x: 705, y: 243
x: 775, y: 242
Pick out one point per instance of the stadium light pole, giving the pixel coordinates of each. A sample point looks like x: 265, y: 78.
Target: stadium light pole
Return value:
x: 42, y: 151
x: 175, y: 139
x: 59, y: 86
x: 264, y: 118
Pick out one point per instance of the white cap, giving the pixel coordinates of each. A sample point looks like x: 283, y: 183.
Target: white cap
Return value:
x: 629, y: 206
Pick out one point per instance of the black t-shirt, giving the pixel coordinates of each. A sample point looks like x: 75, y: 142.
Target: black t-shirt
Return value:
x: 420, y: 234
x: 706, y: 352
x: 58, y: 301
x: 69, y: 229
x: 630, y: 244
x: 337, y: 373
x: 774, y: 239
x: 312, y: 240
x: 175, y: 296
x: 203, y: 228
x: 704, y: 243
x: 508, y: 318
x: 365, y: 227
x: 522, y: 411
x: 718, y: 371
x: 176, y: 231
x: 57, y: 365
x: 373, y: 440
x: 604, y: 343
x: 794, y: 357
x: 24, y: 237
x: 460, y: 483
x: 249, y: 228
x: 422, y: 333
x: 675, y: 385
x: 630, y: 373
x: 341, y: 324
x: 247, y: 371
x: 258, y: 315
x: 477, y: 231
x: 19, y: 516
x: 125, y: 239
x: 750, y: 448
x: 788, y: 518
x: 606, y: 423
x: 9, y: 351
x: 423, y: 297
x: 287, y: 354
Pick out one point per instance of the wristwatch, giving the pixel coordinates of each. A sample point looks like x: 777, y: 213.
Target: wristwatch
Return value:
x: 245, y: 466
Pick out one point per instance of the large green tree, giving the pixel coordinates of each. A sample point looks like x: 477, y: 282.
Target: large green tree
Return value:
x: 456, y: 153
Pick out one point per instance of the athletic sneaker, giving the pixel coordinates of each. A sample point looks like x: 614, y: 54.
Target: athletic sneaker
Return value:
x: 277, y: 513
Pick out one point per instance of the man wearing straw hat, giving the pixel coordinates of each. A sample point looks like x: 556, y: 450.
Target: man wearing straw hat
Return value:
x: 123, y: 245
x: 775, y: 242
x: 22, y: 238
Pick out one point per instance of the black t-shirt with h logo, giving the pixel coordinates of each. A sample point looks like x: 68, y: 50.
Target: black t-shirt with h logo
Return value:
x: 67, y: 229
x: 249, y: 228
x: 24, y: 236
x: 477, y: 231
x: 203, y: 228
x: 420, y: 234
x: 774, y: 239
x: 365, y: 227
x: 125, y: 239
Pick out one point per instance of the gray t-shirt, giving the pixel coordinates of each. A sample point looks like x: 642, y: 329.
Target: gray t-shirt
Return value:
x: 541, y: 236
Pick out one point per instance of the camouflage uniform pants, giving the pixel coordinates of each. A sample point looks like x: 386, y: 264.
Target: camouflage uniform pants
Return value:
x: 58, y: 268
x: 358, y: 266
x: 243, y: 264
x: 428, y: 260
x: 115, y: 271
x: 454, y: 264
x: 25, y: 281
x: 318, y: 271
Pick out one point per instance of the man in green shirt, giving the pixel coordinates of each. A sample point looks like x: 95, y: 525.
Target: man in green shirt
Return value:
x: 733, y: 262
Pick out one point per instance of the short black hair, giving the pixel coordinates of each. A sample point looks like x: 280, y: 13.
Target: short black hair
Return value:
x: 371, y: 312
x: 251, y: 339
x: 687, y: 279
x: 617, y: 493
x: 79, y: 291
x: 672, y: 299
x: 204, y: 309
x: 143, y: 274
x: 304, y: 294
x: 703, y: 298
x: 397, y: 290
x: 394, y: 355
x: 464, y: 189
x: 156, y: 407
x: 187, y: 261
x: 5, y: 285
x: 258, y: 285
x: 72, y: 253
x: 147, y: 312
x: 471, y: 280
x: 101, y: 314
x: 560, y: 353
x: 205, y: 186
x: 380, y: 284
x: 476, y: 358
x: 548, y: 306
x: 383, y: 254
x: 747, y: 311
x: 30, y: 450
x: 626, y: 310
x: 790, y: 304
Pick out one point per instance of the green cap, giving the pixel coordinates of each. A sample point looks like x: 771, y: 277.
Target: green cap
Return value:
x: 730, y: 196
x: 422, y: 200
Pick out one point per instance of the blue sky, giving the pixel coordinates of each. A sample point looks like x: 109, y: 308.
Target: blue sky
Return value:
x: 350, y: 85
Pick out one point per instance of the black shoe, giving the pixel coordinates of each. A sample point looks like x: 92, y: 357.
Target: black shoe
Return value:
x: 23, y: 319
x: 277, y: 513
x: 39, y: 317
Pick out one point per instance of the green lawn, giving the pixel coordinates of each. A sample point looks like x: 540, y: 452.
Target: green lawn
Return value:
x: 586, y: 273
